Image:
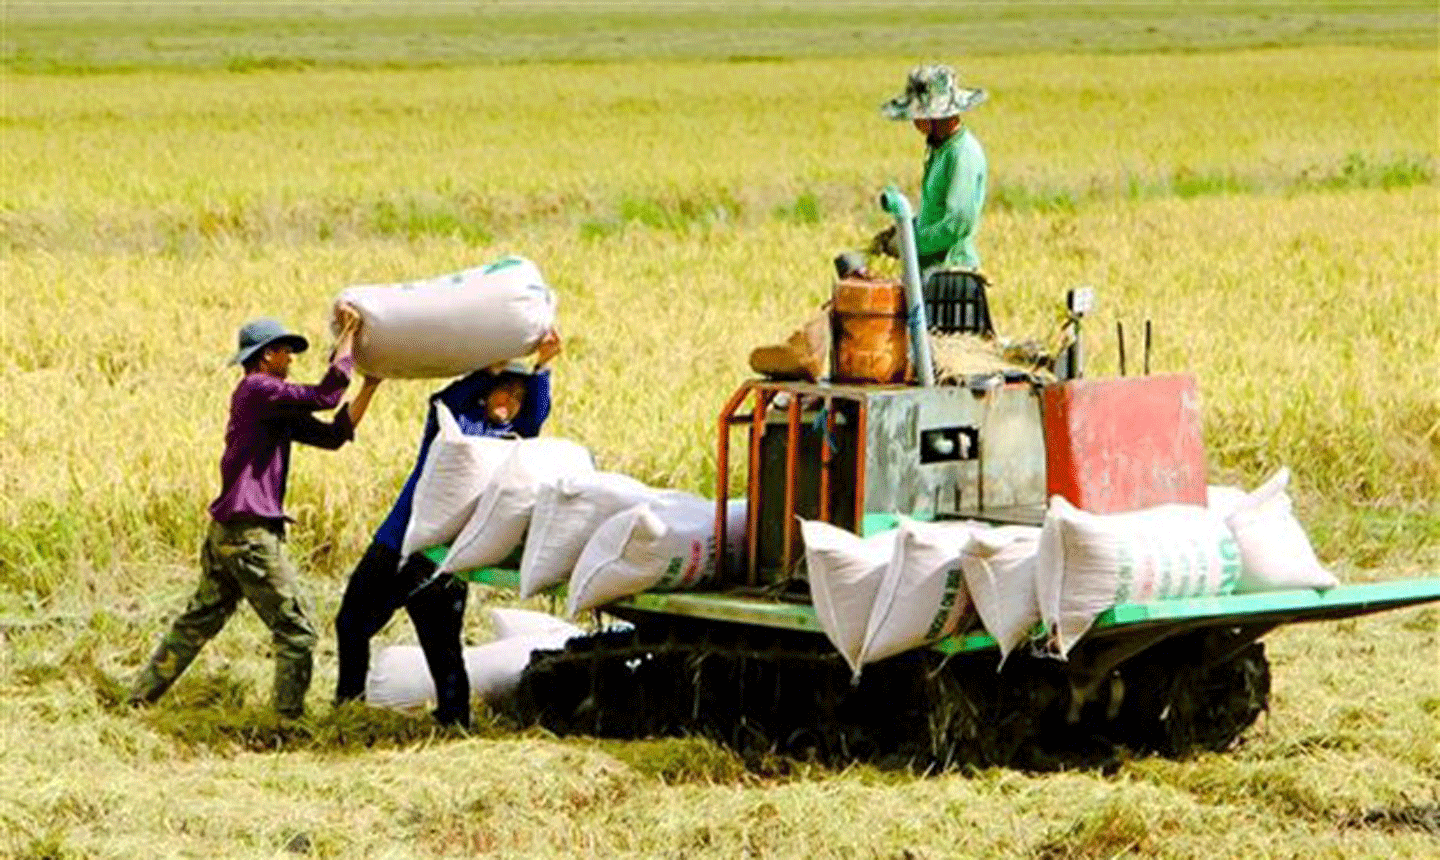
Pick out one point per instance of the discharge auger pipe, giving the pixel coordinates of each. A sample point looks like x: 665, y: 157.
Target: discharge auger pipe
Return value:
x: 892, y: 201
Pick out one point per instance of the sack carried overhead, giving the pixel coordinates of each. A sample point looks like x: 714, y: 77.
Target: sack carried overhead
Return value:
x: 566, y: 515
x: 665, y: 544
x: 453, y: 324
x: 456, y: 469
x: 502, y: 512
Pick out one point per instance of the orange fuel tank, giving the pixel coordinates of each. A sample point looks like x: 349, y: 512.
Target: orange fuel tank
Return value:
x: 872, y: 345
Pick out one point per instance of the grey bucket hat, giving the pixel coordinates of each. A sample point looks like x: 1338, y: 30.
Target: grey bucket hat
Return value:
x: 931, y: 92
x: 258, y: 334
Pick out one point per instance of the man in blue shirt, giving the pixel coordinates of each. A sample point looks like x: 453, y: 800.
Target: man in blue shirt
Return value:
x: 498, y: 401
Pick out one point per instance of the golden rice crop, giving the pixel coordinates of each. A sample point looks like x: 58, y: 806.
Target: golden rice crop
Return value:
x: 1297, y: 316
x: 1272, y: 212
x: 147, y: 158
x: 686, y: 210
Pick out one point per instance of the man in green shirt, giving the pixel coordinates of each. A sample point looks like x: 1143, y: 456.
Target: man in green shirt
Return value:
x: 952, y: 191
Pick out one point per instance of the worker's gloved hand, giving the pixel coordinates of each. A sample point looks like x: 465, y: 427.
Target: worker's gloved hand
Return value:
x: 885, y: 242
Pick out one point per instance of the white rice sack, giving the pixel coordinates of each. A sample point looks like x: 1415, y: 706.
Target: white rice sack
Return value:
x: 453, y: 324
x: 922, y: 596
x: 666, y: 544
x: 510, y: 622
x: 495, y: 667
x: 456, y: 469
x: 1275, y: 552
x: 845, y: 572
x: 1222, y: 501
x: 399, y: 678
x: 566, y: 514
x: 1100, y: 561
x: 999, y: 566
x: 502, y: 512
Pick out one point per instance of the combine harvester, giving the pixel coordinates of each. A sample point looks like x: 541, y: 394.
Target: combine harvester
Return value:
x: 747, y: 663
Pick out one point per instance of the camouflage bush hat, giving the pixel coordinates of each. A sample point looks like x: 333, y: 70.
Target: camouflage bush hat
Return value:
x: 932, y: 93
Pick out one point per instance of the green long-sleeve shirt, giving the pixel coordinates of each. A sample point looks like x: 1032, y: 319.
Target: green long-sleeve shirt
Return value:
x: 952, y: 194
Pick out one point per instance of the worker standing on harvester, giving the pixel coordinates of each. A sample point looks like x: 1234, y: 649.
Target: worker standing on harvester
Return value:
x: 952, y: 189
x: 504, y: 400
x: 244, y: 551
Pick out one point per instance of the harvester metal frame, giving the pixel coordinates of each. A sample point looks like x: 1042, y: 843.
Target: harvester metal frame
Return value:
x: 1199, y: 654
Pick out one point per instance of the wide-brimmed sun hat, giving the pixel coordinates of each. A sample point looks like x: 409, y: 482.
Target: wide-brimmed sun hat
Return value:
x: 932, y: 92
x: 258, y: 334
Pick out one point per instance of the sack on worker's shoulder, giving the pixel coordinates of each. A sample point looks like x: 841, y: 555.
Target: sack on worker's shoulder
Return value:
x: 453, y: 324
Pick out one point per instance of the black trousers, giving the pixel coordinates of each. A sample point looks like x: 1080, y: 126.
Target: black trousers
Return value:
x: 380, y: 585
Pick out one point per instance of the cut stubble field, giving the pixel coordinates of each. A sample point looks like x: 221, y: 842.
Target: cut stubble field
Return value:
x: 1272, y: 211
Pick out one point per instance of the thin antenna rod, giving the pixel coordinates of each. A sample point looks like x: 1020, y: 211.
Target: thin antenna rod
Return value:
x: 1120, y: 333
x: 1147, y: 347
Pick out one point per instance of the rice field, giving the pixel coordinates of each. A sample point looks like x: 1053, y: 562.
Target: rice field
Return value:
x: 1257, y: 180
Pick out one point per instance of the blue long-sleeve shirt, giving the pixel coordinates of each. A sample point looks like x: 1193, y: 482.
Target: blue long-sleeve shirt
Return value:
x: 465, y: 398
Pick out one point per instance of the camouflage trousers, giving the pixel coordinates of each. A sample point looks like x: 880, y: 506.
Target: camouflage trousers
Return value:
x: 243, y: 558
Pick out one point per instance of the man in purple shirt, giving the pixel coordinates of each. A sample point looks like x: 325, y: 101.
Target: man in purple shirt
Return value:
x: 499, y: 401
x: 244, y: 550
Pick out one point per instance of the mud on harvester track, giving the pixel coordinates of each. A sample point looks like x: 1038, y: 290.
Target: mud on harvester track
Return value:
x: 765, y: 691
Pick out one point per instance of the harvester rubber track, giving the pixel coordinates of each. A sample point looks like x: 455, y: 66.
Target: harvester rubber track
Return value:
x: 764, y: 691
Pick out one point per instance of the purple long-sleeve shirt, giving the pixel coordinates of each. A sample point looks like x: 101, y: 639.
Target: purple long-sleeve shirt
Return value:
x: 266, y: 415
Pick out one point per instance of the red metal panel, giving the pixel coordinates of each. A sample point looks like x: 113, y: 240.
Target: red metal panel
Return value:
x: 1123, y: 444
